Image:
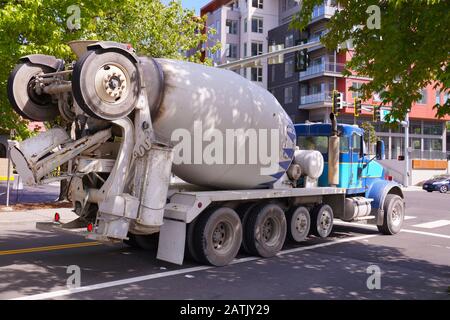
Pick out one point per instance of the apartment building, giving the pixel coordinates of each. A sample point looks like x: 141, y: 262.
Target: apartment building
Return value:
x: 242, y: 28
x: 307, y: 95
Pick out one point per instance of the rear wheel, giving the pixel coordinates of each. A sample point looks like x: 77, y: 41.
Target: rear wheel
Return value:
x: 147, y: 242
x: 23, y: 96
x: 322, y: 220
x: 218, y: 236
x: 394, y: 215
x: 298, y: 223
x: 265, y: 230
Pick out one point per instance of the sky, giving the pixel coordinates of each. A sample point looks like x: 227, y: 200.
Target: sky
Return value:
x: 193, y: 4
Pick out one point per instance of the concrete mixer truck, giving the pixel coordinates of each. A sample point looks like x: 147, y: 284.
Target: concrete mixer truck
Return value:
x: 198, y: 158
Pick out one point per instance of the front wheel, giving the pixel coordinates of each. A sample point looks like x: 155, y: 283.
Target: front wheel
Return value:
x: 443, y: 189
x: 394, y: 215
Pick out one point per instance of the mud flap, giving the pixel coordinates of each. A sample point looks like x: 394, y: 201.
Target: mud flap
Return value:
x: 172, y: 238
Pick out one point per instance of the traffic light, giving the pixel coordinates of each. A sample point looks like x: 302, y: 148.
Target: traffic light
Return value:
x: 357, y: 107
x: 301, y: 60
x: 337, y: 103
x: 376, y: 114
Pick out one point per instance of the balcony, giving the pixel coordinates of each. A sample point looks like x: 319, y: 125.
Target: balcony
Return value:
x: 323, y: 69
x: 316, y: 98
x: 322, y: 12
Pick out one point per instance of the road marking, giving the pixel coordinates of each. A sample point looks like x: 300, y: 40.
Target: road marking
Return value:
x: 55, y: 294
x: 409, y: 217
x: 372, y: 227
x: 432, y: 224
x: 50, y: 248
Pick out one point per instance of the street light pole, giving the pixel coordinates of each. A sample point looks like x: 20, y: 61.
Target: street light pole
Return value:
x: 406, y: 126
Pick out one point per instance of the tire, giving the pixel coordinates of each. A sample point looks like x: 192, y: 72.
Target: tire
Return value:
x: 244, y: 212
x: 24, y: 100
x: 265, y: 230
x: 190, y: 248
x: 429, y: 190
x: 322, y: 220
x: 106, y: 84
x: 218, y: 236
x: 298, y: 224
x: 394, y: 215
x: 131, y: 241
x: 443, y: 189
x: 147, y: 242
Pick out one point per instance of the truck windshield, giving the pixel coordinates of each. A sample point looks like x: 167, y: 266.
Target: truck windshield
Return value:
x: 319, y: 143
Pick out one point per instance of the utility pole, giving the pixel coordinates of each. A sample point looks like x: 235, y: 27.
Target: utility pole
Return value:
x: 406, y: 126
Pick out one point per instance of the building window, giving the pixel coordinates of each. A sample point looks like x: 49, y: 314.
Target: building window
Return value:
x: 289, y: 41
x: 245, y: 49
x: 415, y: 128
x: 231, y: 50
x: 257, y: 25
x: 445, y: 98
x: 245, y: 25
x: 232, y: 26
x: 257, y: 74
x: 289, y: 68
x: 258, y: 4
x: 432, y: 128
x: 423, y: 97
x: 288, y: 95
x: 257, y: 48
x: 356, y: 86
x: 438, y: 97
x: 272, y: 73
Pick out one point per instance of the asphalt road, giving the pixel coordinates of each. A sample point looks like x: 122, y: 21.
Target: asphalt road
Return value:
x: 414, y: 264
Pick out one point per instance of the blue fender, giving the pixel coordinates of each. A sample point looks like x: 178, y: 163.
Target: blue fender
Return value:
x: 378, y: 191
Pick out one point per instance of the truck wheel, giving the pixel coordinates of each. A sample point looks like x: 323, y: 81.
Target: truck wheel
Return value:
x: 147, y: 242
x: 265, y: 230
x: 394, y: 214
x: 23, y: 97
x: 218, y: 236
x: 244, y: 212
x: 443, y: 189
x: 106, y: 84
x: 131, y: 241
x: 190, y: 248
x: 299, y: 224
x: 322, y: 220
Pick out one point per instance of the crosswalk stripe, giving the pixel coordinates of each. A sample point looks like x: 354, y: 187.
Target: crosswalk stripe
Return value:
x: 432, y: 224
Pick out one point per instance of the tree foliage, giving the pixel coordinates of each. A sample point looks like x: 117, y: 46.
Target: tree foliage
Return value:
x: 41, y: 26
x: 370, y: 136
x: 409, y: 51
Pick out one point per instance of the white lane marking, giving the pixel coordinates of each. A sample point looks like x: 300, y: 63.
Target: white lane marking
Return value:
x: 432, y: 224
x: 55, y: 294
x: 372, y: 227
x: 409, y: 217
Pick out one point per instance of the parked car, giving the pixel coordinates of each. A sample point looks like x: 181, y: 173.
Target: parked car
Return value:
x: 439, y: 183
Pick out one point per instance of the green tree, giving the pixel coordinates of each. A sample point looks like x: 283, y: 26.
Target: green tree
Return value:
x: 370, y: 135
x: 408, y: 51
x: 42, y: 26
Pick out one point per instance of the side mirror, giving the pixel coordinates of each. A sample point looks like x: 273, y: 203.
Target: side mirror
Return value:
x: 362, y: 148
x: 380, y: 153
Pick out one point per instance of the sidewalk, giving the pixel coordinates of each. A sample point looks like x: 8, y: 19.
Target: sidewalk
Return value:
x: 33, y: 216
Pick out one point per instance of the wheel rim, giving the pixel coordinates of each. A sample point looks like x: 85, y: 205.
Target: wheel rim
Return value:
x: 396, y: 214
x: 222, y: 237
x: 270, y: 231
x: 301, y: 223
x: 444, y: 189
x: 111, y: 83
x: 325, y: 221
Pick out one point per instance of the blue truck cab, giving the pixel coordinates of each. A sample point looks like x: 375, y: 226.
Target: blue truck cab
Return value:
x: 360, y: 174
